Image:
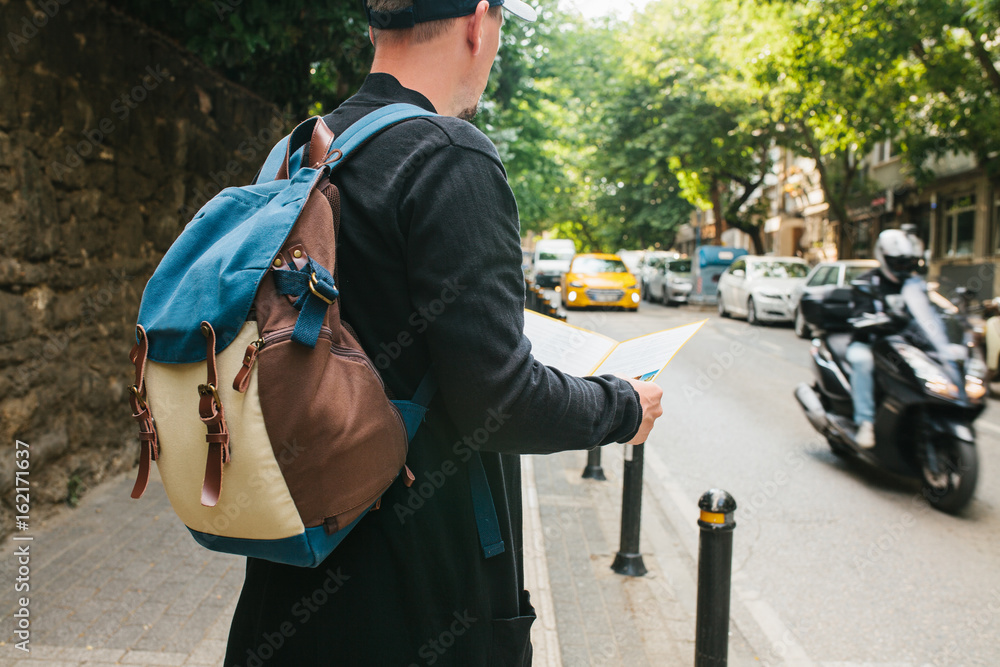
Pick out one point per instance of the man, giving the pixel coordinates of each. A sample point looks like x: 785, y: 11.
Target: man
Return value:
x: 429, y: 265
x: 899, y: 253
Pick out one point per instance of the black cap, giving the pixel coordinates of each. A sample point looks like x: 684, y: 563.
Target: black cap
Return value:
x: 434, y: 10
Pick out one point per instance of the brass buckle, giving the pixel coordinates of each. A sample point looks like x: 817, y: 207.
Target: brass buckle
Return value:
x: 206, y: 389
x: 140, y: 401
x: 313, y: 281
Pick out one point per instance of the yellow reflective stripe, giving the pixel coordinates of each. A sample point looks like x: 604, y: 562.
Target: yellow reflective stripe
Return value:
x: 712, y: 517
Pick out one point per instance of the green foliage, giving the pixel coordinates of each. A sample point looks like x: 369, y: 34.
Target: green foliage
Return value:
x: 296, y: 54
x: 614, y: 130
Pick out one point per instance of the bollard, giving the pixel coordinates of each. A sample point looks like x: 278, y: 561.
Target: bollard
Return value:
x: 628, y: 561
x: 715, y: 569
x: 594, y: 469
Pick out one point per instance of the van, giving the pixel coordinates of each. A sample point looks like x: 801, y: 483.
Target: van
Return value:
x: 707, y: 264
x: 552, y: 259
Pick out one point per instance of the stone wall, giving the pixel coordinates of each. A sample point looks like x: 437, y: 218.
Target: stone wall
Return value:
x: 111, y: 137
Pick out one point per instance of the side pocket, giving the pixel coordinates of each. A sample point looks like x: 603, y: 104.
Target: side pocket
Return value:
x: 511, y: 644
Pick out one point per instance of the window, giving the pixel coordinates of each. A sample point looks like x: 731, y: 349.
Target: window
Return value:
x: 738, y: 265
x: 885, y: 151
x: 680, y: 266
x: 823, y: 276
x: 959, y: 227
x: 780, y: 270
x: 598, y: 265
x: 852, y: 273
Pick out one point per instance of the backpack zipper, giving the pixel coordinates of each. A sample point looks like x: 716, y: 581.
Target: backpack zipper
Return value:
x: 254, y: 348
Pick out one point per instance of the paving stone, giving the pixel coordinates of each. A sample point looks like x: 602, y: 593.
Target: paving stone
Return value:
x: 207, y: 652
x: 38, y: 651
x: 152, y: 658
x: 147, y: 613
x: 125, y: 637
x: 574, y: 655
x: 84, y: 655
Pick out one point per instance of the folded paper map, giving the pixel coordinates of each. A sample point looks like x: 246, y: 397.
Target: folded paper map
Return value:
x: 581, y: 352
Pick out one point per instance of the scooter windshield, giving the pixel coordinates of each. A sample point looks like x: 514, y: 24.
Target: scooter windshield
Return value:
x: 928, y: 320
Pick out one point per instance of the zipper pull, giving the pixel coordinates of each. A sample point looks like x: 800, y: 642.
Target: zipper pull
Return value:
x: 242, y: 380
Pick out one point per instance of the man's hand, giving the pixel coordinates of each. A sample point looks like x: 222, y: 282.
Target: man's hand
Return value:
x: 649, y: 400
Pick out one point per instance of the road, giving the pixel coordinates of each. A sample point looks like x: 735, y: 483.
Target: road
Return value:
x: 834, y: 564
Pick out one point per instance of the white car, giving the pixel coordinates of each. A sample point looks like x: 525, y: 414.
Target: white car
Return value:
x: 650, y: 264
x: 825, y: 277
x: 760, y: 288
x: 671, y: 285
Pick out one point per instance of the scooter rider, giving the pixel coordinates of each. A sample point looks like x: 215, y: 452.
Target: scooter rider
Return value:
x: 876, y: 307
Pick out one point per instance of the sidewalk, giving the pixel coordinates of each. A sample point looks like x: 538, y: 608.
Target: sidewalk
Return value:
x: 113, y: 585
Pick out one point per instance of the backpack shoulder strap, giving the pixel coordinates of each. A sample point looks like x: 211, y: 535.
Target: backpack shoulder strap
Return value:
x: 381, y: 119
x: 350, y: 139
x: 273, y: 162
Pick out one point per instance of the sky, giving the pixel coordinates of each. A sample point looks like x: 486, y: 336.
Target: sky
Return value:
x: 594, y: 8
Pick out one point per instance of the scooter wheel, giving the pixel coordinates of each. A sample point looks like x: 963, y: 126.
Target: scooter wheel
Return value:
x: 950, y: 481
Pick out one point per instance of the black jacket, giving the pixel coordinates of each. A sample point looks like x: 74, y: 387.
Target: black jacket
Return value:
x: 869, y: 295
x: 429, y: 266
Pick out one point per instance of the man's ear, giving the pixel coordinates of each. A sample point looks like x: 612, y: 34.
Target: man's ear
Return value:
x: 475, y: 27
x: 371, y: 35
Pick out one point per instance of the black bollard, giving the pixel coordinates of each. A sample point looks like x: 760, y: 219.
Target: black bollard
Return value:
x: 628, y: 561
x: 594, y: 469
x: 715, y: 569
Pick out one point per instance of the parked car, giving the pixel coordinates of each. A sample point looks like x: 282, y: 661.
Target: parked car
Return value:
x: 599, y: 280
x: 649, y: 266
x: 824, y: 278
x: 708, y: 263
x: 760, y: 288
x: 632, y: 258
x: 672, y: 283
x: 552, y: 258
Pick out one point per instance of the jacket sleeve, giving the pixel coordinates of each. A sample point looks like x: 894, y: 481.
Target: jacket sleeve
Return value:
x: 466, y: 282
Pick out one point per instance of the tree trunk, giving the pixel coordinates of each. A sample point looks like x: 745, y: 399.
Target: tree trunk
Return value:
x: 985, y: 59
x: 717, y: 212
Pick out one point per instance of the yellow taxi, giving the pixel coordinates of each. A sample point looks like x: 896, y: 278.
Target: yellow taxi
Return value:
x: 597, y: 279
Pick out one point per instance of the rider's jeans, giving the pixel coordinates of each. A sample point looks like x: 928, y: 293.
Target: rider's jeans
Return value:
x: 859, y: 355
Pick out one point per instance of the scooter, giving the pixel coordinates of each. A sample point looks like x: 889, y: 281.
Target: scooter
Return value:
x: 926, y: 401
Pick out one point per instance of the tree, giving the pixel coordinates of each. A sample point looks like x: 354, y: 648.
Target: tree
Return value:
x: 304, y: 56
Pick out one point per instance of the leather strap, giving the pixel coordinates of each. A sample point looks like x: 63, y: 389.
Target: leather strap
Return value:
x: 212, y: 414
x: 148, y: 442
x: 242, y: 380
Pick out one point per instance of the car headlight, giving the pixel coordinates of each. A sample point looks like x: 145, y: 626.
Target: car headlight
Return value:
x: 935, y: 381
x: 576, y: 283
x: 771, y: 295
x: 632, y: 286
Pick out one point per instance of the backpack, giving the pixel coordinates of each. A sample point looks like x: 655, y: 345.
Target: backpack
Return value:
x: 270, y: 426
